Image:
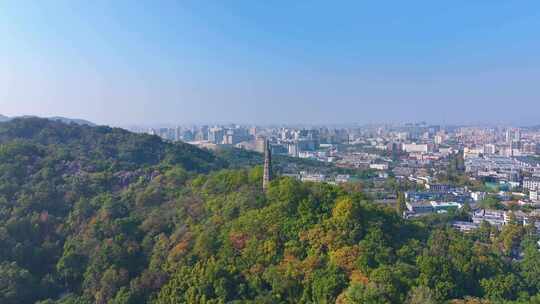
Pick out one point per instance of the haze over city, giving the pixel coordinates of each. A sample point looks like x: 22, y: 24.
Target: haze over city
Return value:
x: 121, y: 62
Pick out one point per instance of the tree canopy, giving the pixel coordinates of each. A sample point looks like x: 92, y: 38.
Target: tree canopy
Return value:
x: 101, y: 215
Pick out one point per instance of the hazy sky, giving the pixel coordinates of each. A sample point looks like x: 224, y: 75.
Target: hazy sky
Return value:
x: 123, y: 62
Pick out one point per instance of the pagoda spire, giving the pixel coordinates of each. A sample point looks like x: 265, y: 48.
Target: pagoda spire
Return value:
x: 267, y: 176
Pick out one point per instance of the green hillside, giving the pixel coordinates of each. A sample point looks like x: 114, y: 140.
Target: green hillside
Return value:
x: 101, y: 215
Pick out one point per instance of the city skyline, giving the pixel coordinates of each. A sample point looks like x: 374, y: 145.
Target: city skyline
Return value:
x: 123, y: 63
x: 331, y: 125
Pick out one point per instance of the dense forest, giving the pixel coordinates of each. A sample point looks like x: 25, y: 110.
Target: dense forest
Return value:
x: 101, y: 215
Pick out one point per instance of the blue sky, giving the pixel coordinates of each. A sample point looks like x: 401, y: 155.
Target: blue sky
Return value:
x: 123, y: 62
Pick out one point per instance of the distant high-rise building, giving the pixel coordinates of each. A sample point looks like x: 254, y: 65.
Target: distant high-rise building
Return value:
x: 490, y: 149
x: 178, y: 134
x: 260, y: 144
x: 201, y: 133
x: 517, y: 135
x: 267, y: 175
x: 253, y: 131
x: 216, y: 135
x: 293, y: 149
x: 513, y: 135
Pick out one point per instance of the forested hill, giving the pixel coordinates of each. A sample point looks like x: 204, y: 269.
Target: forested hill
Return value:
x: 62, y: 184
x: 100, y: 215
x: 102, y: 147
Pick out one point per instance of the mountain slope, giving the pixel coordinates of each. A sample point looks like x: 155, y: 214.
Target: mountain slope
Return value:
x: 113, y: 147
x: 54, y: 118
x: 94, y: 215
x: 54, y: 180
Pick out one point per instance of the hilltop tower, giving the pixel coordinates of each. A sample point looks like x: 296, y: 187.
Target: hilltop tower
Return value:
x: 267, y: 177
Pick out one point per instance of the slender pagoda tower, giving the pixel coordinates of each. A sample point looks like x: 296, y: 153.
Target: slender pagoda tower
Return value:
x: 267, y: 176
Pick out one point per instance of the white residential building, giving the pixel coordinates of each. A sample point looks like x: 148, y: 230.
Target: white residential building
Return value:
x: 416, y: 148
x: 532, y: 183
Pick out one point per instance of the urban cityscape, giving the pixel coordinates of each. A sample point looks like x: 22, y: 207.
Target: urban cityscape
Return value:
x: 500, y: 163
